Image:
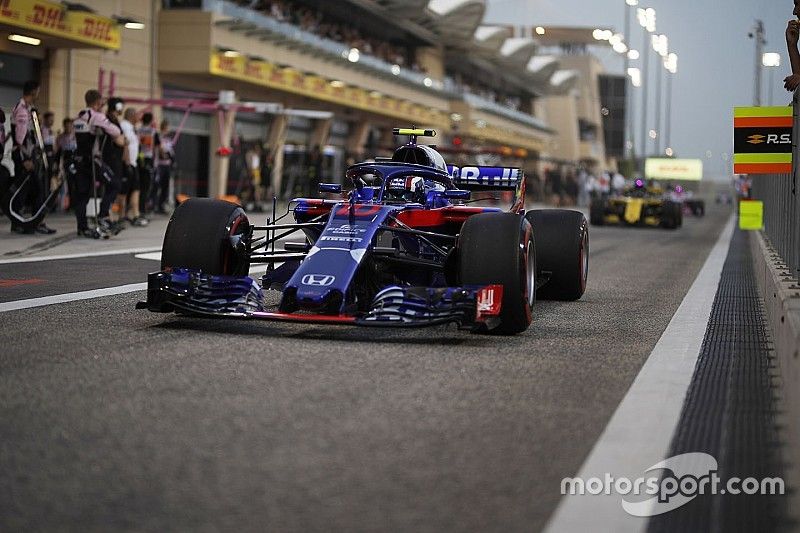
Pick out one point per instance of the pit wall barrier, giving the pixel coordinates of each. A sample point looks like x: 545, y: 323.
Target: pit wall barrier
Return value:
x: 776, y: 258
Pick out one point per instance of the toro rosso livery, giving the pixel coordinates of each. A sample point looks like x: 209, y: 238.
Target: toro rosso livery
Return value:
x: 402, y: 248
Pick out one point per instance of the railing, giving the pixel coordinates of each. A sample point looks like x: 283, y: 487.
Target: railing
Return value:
x: 781, y: 198
x: 484, y: 104
x: 333, y: 49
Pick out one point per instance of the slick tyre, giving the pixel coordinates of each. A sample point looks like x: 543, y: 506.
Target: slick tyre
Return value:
x: 199, y: 237
x: 597, y: 212
x: 498, y: 249
x: 562, y: 247
x: 671, y: 215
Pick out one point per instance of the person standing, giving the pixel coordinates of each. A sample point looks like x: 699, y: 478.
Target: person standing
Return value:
x: 49, y: 141
x: 65, y: 155
x: 618, y: 184
x: 166, y: 159
x: 128, y: 199
x: 113, y: 154
x: 89, y: 126
x: 23, y: 154
x: 148, y: 146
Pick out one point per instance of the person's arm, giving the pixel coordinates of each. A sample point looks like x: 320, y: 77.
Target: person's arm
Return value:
x: 99, y: 120
x: 792, y: 37
x: 21, y: 123
x: 792, y: 82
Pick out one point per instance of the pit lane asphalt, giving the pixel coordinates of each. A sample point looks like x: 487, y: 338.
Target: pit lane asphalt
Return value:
x: 112, y: 418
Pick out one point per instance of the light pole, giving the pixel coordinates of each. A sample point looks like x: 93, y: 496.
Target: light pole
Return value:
x: 671, y: 64
x: 758, y: 35
x: 629, y: 143
x: 661, y: 46
x: 647, y: 20
x: 771, y: 60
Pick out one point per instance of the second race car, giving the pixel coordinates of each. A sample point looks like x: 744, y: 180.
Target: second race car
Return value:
x: 637, y: 206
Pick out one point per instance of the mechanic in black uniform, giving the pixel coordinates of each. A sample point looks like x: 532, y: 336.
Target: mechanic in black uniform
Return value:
x: 90, y: 125
x: 113, y: 154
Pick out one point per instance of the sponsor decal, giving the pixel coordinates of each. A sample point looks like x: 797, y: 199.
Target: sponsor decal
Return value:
x: 762, y: 140
x: 490, y: 299
x: 490, y: 176
x: 54, y: 19
x: 671, y: 484
x: 347, y: 229
x: 318, y: 280
x: 341, y: 239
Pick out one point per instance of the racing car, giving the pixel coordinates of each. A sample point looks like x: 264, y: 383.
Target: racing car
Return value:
x: 691, y: 205
x: 637, y: 206
x: 404, y: 247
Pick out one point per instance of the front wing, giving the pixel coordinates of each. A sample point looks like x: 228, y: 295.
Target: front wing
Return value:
x: 192, y: 292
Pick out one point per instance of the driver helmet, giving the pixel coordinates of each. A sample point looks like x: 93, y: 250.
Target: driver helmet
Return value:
x: 409, y: 189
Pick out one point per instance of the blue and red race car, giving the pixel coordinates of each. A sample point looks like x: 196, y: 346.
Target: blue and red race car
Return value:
x: 404, y: 247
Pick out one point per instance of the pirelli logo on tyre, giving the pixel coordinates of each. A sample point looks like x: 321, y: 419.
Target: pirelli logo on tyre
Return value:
x: 762, y: 140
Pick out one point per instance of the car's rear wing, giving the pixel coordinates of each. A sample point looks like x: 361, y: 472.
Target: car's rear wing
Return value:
x: 491, y: 179
x: 486, y: 178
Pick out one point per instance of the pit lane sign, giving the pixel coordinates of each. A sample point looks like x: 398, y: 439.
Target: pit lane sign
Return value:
x: 751, y: 215
x: 762, y: 140
x: 50, y: 18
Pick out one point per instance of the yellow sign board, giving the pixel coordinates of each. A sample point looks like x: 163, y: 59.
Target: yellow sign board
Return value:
x: 272, y: 76
x: 54, y: 19
x: 751, y: 215
x: 674, y: 169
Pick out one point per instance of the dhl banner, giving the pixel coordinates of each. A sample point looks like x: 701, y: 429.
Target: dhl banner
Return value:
x: 54, y: 19
x: 762, y: 140
x: 286, y: 79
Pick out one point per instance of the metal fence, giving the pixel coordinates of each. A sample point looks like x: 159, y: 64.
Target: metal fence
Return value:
x: 781, y: 215
x: 781, y: 198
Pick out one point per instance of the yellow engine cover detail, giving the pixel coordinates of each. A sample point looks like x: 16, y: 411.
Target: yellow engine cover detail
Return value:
x: 633, y: 211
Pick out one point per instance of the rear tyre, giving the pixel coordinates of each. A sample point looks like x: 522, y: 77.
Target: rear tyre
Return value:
x: 199, y: 234
x: 597, y: 212
x: 671, y: 215
x: 498, y: 249
x: 562, y: 246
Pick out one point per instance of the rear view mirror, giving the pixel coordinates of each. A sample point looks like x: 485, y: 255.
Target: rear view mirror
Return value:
x: 457, y: 194
x: 333, y: 188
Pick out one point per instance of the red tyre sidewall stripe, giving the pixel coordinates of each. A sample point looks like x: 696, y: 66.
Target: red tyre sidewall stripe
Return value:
x: 231, y: 233
x: 582, y: 258
x: 526, y: 258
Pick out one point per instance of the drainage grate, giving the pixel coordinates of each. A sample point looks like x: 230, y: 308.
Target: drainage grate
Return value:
x: 730, y: 408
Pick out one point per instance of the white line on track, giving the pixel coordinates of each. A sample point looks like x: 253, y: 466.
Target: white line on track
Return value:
x: 16, y: 305
x: 70, y: 297
x: 36, y: 259
x: 641, y: 430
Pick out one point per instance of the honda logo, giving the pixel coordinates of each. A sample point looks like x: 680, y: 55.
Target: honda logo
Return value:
x: 318, y: 280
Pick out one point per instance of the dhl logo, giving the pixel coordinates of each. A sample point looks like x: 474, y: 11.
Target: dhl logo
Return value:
x: 756, y: 139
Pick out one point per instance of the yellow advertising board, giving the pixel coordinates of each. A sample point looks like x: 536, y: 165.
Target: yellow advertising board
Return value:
x: 674, y: 169
x: 751, y: 215
x: 54, y: 19
x: 286, y: 79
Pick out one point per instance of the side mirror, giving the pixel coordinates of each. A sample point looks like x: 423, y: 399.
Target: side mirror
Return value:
x: 333, y: 188
x: 457, y: 194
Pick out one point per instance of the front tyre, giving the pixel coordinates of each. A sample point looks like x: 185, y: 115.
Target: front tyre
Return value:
x: 498, y: 249
x: 201, y: 236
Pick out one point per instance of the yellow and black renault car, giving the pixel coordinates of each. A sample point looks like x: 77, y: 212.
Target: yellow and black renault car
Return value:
x: 637, y: 206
